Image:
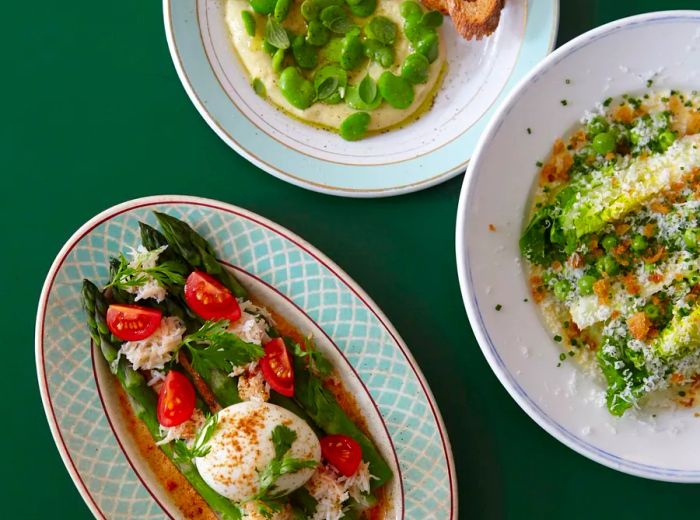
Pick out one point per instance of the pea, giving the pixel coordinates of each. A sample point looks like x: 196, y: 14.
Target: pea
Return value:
x: 282, y: 10
x: 609, y: 242
x: 355, y: 126
x: 652, y: 310
x: 562, y: 289
x: 298, y: 91
x: 639, y: 243
x: 263, y: 6
x: 278, y: 60
x: 666, y: 139
x: 248, y: 22
x: 397, y: 91
x: 597, y: 125
x: 354, y: 100
x: 317, y: 34
x: 363, y: 8
x: 428, y: 46
x: 690, y: 237
x: 352, y: 52
x: 432, y: 19
x: 411, y: 10
x: 415, y: 68
x: 585, y: 284
x: 607, y: 265
x: 336, y: 19
x: 603, y: 143
x: 382, y: 29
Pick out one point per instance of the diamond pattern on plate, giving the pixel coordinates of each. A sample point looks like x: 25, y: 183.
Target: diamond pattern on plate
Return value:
x: 295, y: 272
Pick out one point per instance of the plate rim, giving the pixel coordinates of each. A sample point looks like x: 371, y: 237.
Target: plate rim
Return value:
x: 337, y: 272
x: 327, y: 188
x: 469, y: 297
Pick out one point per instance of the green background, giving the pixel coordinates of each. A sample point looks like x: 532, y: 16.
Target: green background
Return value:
x: 94, y: 114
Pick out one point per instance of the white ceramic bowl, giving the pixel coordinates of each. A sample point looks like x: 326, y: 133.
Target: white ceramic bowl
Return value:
x: 422, y: 154
x: 609, y: 61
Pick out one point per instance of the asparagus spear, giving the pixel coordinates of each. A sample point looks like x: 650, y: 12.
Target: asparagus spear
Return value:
x: 196, y: 251
x: 143, y: 400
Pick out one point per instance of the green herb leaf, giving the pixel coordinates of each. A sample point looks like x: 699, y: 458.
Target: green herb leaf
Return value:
x: 275, y: 34
x: 213, y: 346
x: 282, y: 438
x: 318, y: 364
x: 368, y: 90
x: 327, y: 87
x: 167, y: 274
x: 199, y: 448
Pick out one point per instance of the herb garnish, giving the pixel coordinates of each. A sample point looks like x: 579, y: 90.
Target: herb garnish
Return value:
x: 213, y: 346
x: 199, y: 448
x: 318, y: 364
x: 166, y: 274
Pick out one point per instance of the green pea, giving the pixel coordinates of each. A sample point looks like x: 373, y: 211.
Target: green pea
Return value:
x: 354, y: 100
x: 336, y: 19
x: 352, y: 52
x: 396, y: 90
x: 607, y: 265
x: 382, y: 29
x: 432, y: 19
x: 355, y: 126
x: 666, y: 139
x: 597, y: 125
x: 585, y: 284
x: 305, y: 55
x: 652, y: 310
x: 429, y: 46
x: 296, y: 89
x: 282, y: 9
x: 415, y: 68
x: 364, y: 8
x: 317, y: 34
x: 603, y: 143
x: 609, y: 242
x: 330, y: 82
x: 410, y: 9
x: 562, y: 289
x: 263, y: 6
x: 690, y: 237
x: 248, y: 22
x: 639, y: 243
x: 278, y: 60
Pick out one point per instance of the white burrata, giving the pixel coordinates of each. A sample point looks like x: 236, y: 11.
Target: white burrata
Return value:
x: 258, y: 64
x: 242, y: 446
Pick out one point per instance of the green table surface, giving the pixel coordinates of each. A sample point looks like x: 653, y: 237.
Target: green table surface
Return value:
x: 94, y: 114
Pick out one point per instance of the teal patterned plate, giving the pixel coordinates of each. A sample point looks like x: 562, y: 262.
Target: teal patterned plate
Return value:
x: 290, y: 276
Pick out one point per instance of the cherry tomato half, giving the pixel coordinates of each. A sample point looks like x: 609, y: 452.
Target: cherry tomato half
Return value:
x: 277, y: 367
x: 343, y: 452
x: 132, y: 322
x: 175, y: 400
x: 209, y: 298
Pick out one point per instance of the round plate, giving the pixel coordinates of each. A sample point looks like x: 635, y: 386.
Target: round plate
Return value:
x: 609, y: 61
x: 422, y: 154
x: 297, y: 280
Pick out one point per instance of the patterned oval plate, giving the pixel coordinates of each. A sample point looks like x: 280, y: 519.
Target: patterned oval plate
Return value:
x: 429, y: 151
x: 294, y: 278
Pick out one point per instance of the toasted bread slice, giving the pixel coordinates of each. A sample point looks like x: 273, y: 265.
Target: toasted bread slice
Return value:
x: 472, y: 18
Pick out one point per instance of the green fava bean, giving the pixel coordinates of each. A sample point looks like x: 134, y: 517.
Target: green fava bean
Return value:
x: 432, y: 19
x: 396, y: 90
x: 317, y: 34
x: 364, y: 8
x: 259, y: 87
x: 355, y: 126
x: 296, y: 89
x: 278, y: 60
x: 411, y: 10
x: 331, y: 52
x: 282, y: 9
x: 353, y: 99
x: 382, y: 29
x: 263, y: 6
x: 336, y: 19
x: 269, y: 48
x: 311, y: 9
x: 330, y: 82
x: 248, y: 22
x: 428, y: 46
x: 380, y: 53
x: 304, y: 54
x: 415, y: 68
x: 352, y: 52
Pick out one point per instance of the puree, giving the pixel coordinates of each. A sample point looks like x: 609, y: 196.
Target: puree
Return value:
x: 258, y: 64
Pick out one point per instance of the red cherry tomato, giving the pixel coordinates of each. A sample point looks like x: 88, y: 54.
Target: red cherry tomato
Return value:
x: 209, y: 298
x: 132, y: 322
x: 175, y: 400
x: 343, y: 452
x: 277, y: 367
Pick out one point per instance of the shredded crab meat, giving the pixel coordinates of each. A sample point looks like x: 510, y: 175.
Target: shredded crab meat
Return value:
x: 330, y: 489
x: 142, y: 258
x: 185, y: 431
x: 250, y: 327
x: 253, y: 387
x: 157, y: 349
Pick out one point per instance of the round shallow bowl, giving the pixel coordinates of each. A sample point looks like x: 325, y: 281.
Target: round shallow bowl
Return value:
x: 422, y: 154
x: 291, y: 277
x: 609, y: 61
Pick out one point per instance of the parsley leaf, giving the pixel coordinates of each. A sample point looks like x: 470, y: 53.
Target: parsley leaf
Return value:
x: 283, y: 438
x: 213, y: 346
x: 199, y: 448
x: 318, y: 364
x: 167, y: 274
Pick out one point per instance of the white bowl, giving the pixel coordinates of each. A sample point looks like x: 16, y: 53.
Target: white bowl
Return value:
x: 609, y: 61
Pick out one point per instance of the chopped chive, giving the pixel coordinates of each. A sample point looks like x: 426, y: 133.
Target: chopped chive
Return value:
x: 607, y: 102
x: 557, y: 338
x: 567, y: 81
x: 539, y: 164
x: 650, y: 82
x: 681, y: 393
x: 529, y: 130
x: 562, y: 357
x: 571, y: 353
x: 499, y: 307
x: 525, y: 300
x: 564, y: 102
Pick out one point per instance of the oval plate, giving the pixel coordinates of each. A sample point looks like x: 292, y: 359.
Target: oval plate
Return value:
x: 422, y: 154
x: 296, y: 280
x: 565, y: 400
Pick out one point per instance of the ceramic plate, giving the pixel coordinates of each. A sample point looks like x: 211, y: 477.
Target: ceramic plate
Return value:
x: 290, y: 276
x: 609, y: 61
x: 429, y: 151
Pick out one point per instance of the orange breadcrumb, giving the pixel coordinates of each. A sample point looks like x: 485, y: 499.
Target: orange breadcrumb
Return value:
x: 601, y: 288
x: 639, y: 325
